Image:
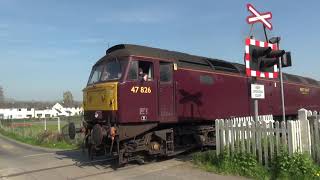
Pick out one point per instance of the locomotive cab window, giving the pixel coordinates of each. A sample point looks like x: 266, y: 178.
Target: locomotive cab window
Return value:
x: 133, y: 70
x: 165, y: 72
x: 107, y: 70
x: 111, y: 70
x: 140, y: 70
x: 95, y: 74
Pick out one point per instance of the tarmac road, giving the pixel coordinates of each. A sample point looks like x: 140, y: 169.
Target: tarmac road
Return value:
x: 19, y: 161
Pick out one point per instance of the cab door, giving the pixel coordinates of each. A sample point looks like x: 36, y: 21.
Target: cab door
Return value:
x: 138, y: 96
x: 166, y: 98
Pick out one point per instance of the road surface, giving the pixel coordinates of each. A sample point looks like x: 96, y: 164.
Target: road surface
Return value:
x: 18, y: 161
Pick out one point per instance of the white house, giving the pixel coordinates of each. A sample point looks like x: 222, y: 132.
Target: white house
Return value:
x: 59, y: 110
x: 15, y: 113
x: 22, y: 113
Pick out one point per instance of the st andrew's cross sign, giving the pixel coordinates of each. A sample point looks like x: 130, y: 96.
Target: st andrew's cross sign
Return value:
x: 259, y: 17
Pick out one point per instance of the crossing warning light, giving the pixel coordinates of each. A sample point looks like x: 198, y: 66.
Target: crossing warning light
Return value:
x: 262, y: 59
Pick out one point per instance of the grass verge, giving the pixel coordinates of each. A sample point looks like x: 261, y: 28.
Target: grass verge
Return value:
x: 239, y: 164
x: 48, y: 139
x: 283, y: 166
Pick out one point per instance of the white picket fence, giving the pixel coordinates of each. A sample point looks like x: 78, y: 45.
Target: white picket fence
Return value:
x: 262, y: 138
x: 314, y: 122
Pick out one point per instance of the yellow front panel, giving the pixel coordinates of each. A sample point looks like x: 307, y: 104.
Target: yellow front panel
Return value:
x: 101, y: 97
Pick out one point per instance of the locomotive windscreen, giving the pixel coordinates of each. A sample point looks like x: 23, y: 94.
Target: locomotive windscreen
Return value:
x: 107, y: 70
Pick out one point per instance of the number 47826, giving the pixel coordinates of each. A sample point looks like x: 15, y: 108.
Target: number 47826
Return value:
x: 137, y: 89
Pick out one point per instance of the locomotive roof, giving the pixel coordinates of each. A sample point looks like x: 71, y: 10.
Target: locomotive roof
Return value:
x: 183, y: 59
x: 192, y: 61
x: 130, y: 49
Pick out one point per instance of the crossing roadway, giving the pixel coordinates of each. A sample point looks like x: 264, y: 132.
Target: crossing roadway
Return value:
x: 20, y: 161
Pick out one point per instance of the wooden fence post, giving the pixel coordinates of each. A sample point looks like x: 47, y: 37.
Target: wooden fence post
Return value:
x: 317, y: 138
x: 227, y: 131
x: 265, y: 142
x: 248, y: 135
x: 232, y: 124
x: 254, y: 141
x: 217, y: 126
x: 283, y: 132
x: 237, y: 132
x: 277, y: 136
x: 294, y: 136
x: 299, y: 136
x: 290, y: 138
x: 59, y: 128
x: 242, y: 125
x: 314, y: 133
x: 259, y: 138
x: 271, y: 139
x: 305, y: 131
x: 312, y: 124
x: 222, y: 135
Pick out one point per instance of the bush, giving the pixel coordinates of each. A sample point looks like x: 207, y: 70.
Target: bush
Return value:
x: 242, y: 164
x: 298, y: 166
x: 49, y: 136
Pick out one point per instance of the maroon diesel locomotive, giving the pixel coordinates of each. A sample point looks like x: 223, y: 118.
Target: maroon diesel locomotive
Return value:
x: 142, y: 101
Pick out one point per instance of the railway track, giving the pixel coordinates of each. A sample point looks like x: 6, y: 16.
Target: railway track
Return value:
x: 89, y: 175
x: 58, y: 167
x: 104, y: 172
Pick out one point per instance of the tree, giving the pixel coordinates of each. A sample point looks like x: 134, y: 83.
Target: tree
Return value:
x: 1, y: 95
x: 68, y: 99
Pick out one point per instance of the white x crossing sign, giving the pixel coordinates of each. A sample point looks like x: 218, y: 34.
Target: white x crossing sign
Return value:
x: 259, y: 17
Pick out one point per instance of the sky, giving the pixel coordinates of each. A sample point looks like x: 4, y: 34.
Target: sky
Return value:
x: 49, y: 46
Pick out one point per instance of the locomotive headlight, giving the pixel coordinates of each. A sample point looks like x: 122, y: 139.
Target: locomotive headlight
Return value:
x: 98, y: 114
